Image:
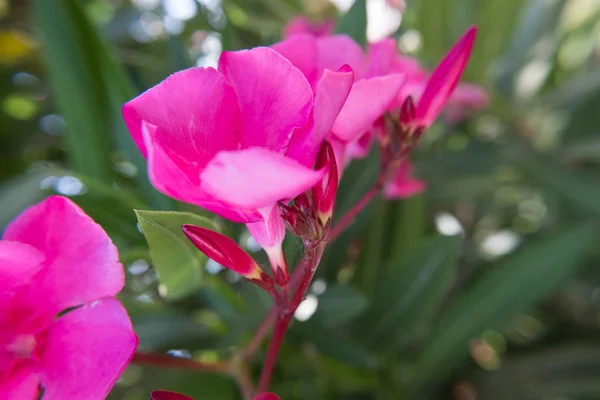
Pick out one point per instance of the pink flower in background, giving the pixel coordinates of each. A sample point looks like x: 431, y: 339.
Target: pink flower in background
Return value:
x: 302, y: 25
x: 54, y: 258
x: 465, y: 99
x: 403, y: 185
x: 238, y: 139
x: 370, y: 97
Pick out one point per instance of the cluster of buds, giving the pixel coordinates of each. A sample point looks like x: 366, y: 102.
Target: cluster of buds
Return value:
x: 310, y: 217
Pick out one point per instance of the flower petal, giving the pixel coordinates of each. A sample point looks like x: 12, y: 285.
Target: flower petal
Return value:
x: 302, y: 52
x: 330, y: 95
x: 444, y: 79
x: 403, y: 185
x: 339, y: 50
x: 183, y: 183
x: 269, y: 232
x: 82, y: 263
x: 195, y: 113
x: 368, y: 100
x: 19, y: 262
x: 22, y: 384
x: 274, y: 96
x: 255, y: 178
x: 86, y: 351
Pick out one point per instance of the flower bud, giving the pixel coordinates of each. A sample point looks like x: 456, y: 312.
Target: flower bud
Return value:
x: 324, y: 192
x: 166, y: 395
x: 294, y: 220
x: 228, y: 253
x: 266, y: 396
x: 407, y: 111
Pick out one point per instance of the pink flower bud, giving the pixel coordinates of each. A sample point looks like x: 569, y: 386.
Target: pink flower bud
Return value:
x: 226, y: 252
x: 166, y: 395
x: 444, y: 79
x: 267, y: 396
x: 303, y: 203
x: 324, y: 192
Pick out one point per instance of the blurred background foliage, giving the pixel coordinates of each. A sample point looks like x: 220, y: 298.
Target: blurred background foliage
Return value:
x: 485, y: 287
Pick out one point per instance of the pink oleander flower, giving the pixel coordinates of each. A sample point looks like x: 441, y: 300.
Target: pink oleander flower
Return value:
x: 60, y: 326
x: 370, y: 97
x: 403, y: 185
x: 238, y: 139
x: 166, y: 395
x: 302, y: 25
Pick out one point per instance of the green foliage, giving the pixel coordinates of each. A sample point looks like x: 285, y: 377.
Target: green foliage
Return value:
x: 178, y: 263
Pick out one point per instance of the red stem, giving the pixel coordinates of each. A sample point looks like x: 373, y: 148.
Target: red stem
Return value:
x: 312, y: 257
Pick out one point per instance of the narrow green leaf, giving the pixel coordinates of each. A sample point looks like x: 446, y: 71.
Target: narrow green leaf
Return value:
x: 411, y: 290
x: 577, y: 188
x: 511, y: 288
x: 177, y: 262
x: 76, y: 86
x: 410, y: 224
x: 354, y: 22
x: 339, y: 305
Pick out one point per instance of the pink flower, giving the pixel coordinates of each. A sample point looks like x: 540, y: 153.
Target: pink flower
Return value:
x: 465, y: 99
x: 370, y: 97
x: 238, y: 139
x: 54, y: 259
x: 302, y: 25
x: 403, y: 185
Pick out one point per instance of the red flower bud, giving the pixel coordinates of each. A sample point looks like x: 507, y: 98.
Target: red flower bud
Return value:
x: 266, y: 396
x: 228, y: 253
x: 324, y: 192
x: 303, y: 203
x: 166, y: 395
x: 407, y: 111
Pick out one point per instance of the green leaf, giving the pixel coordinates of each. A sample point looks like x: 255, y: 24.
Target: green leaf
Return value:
x: 577, y: 188
x: 340, y: 304
x: 178, y: 263
x: 76, y: 84
x: 412, y: 289
x: 507, y: 290
x: 354, y: 22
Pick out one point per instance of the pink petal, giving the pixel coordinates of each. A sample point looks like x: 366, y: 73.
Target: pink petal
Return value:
x: 255, y: 178
x: 82, y: 263
x: 86, y: 351
x: 330, y: 95
x: 274, y: 96
x: 444, y: 79
x: 301, y: 51
x: 339, y: 50
x: 183, y: 183
x: 195, y: 113
x: 381, y: 57
x: 368, y: 100
x: 165, y: 395
x: 404, y: 185
x: 19, y: 262
x: 22, y: 384
x: 269, y: 232
x: 302, y: 25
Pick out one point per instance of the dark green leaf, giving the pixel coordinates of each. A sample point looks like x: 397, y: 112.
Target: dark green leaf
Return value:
x: 340, y: 304
x: 511, y: 288
x: 411, y: 290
